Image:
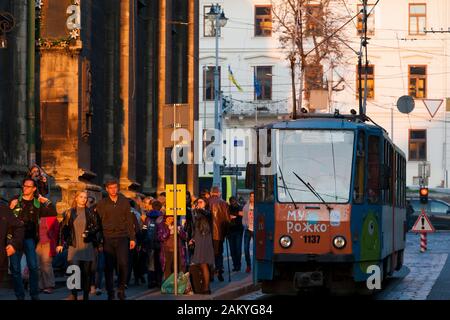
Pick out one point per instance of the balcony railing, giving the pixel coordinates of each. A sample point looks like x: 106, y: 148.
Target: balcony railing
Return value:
x: 248, y: 108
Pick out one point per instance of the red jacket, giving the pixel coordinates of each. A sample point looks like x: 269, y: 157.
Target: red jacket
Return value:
x: 52, y: 233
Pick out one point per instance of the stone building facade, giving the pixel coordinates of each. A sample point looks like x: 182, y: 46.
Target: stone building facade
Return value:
x: 105, y: 71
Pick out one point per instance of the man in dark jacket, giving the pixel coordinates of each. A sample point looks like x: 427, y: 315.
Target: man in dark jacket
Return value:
x: 235, y: 233
x: 220, y: 219
x: 11, y: 238
x: 29, y: 208
x: 119, y: 236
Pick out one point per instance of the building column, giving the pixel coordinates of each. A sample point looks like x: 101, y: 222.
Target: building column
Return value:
x: 151, y: 85
x: 65, y: 93
x: 111, y: 95
x: 192, y: 90
x: 177, y: 82
x: 127, y: 105
x: 19, y: 149
x: 14, y: 160
x: 162, y: 91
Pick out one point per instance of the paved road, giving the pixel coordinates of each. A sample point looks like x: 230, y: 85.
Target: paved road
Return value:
x: 424, y: 275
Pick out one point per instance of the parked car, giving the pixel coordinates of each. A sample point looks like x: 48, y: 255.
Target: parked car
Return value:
x: 437, y: 210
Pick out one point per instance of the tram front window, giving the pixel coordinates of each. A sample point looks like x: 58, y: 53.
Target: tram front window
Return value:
x: 322, y: 158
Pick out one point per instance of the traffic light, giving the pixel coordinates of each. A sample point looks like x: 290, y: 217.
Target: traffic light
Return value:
x: 423, y: 192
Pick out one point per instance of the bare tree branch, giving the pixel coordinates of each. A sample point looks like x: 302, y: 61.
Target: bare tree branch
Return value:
x: 299, y: 30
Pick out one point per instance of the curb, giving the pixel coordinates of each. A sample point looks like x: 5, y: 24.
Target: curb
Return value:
x: 234, y: 293
x: 226, y: 294
x: 142, y: 294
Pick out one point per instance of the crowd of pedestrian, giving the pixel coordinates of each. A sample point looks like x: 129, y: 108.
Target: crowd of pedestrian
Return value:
x: 118, y: 239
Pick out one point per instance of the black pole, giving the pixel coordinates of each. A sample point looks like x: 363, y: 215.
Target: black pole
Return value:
x: 363, y: 45
x: 228, y: 257
x: 237, y: 182
x: 294, y: 93
x: 360, y: 83
x: 367, y: 58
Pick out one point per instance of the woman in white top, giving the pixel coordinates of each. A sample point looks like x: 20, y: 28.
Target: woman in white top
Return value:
x: 248, y: 221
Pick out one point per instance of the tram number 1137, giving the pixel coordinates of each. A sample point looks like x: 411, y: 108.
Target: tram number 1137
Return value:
x: 311, y: 239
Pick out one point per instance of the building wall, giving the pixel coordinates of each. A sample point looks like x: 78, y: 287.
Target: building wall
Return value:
x: 109, y: 81
x: 240, y: 49
x: 391, y: 50
x: 178, y: 83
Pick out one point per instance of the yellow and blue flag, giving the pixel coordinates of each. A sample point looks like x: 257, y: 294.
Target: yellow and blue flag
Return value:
x: 232, y: 79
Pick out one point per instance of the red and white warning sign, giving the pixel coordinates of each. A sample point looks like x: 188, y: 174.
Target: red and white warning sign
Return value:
x: 423, y: 224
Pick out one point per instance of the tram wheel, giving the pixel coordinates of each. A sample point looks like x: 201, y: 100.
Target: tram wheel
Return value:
x: 388, y: 269
x: 400, y: 256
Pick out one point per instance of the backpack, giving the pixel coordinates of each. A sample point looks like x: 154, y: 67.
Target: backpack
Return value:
x: 151, y: 234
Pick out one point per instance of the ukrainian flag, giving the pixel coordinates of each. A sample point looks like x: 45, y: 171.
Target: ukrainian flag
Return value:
x: 232, y: 79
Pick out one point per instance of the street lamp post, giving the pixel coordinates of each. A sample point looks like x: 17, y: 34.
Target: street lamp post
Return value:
x: 217, y: 16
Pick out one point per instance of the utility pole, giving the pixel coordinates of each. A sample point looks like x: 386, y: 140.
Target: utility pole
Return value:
x: 299, y: 38
x: 392, y: 124
x: 216, y: 178
x: 175, y: 233
x: 293, y: 60
x: 360, y: 83
x: 330, y: 88
x: 294, y: 94
x: 205, y: 69
x: 362, y: 103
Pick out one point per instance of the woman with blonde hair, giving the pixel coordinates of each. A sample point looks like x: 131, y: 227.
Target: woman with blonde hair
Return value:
x: 80, y: 231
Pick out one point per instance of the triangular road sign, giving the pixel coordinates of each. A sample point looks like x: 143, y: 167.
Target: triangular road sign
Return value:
x: 423, y: 224
x: 432, y: 105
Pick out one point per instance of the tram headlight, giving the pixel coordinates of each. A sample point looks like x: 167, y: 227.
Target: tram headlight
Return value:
x: 285, y: 241
x: 339, y: 242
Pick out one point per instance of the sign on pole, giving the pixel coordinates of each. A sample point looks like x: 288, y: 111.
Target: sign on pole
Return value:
x: 423, y: 224
x: 432, y: 105
x: 231, y: 171
x: 405, y: 104
x: 424, y: 169
x: 181, y: 200
x: 424, y: 172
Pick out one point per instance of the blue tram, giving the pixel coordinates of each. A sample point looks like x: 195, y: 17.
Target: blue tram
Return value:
x: 329, y: 204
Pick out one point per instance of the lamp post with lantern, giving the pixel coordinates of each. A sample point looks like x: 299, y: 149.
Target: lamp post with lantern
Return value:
x: 217, y: 16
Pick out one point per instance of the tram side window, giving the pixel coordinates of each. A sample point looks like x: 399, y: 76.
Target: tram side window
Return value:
x: 387, y: 191
x: 264, y: 183
x: 373, y: 168
x: 401, y: 181
x: 391, y: 177
x: 358, y: 192
x: 404, y: 181
x: 397, y: 179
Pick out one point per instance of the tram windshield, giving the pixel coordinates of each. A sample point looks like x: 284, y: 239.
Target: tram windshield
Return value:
x: 322, y: 158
